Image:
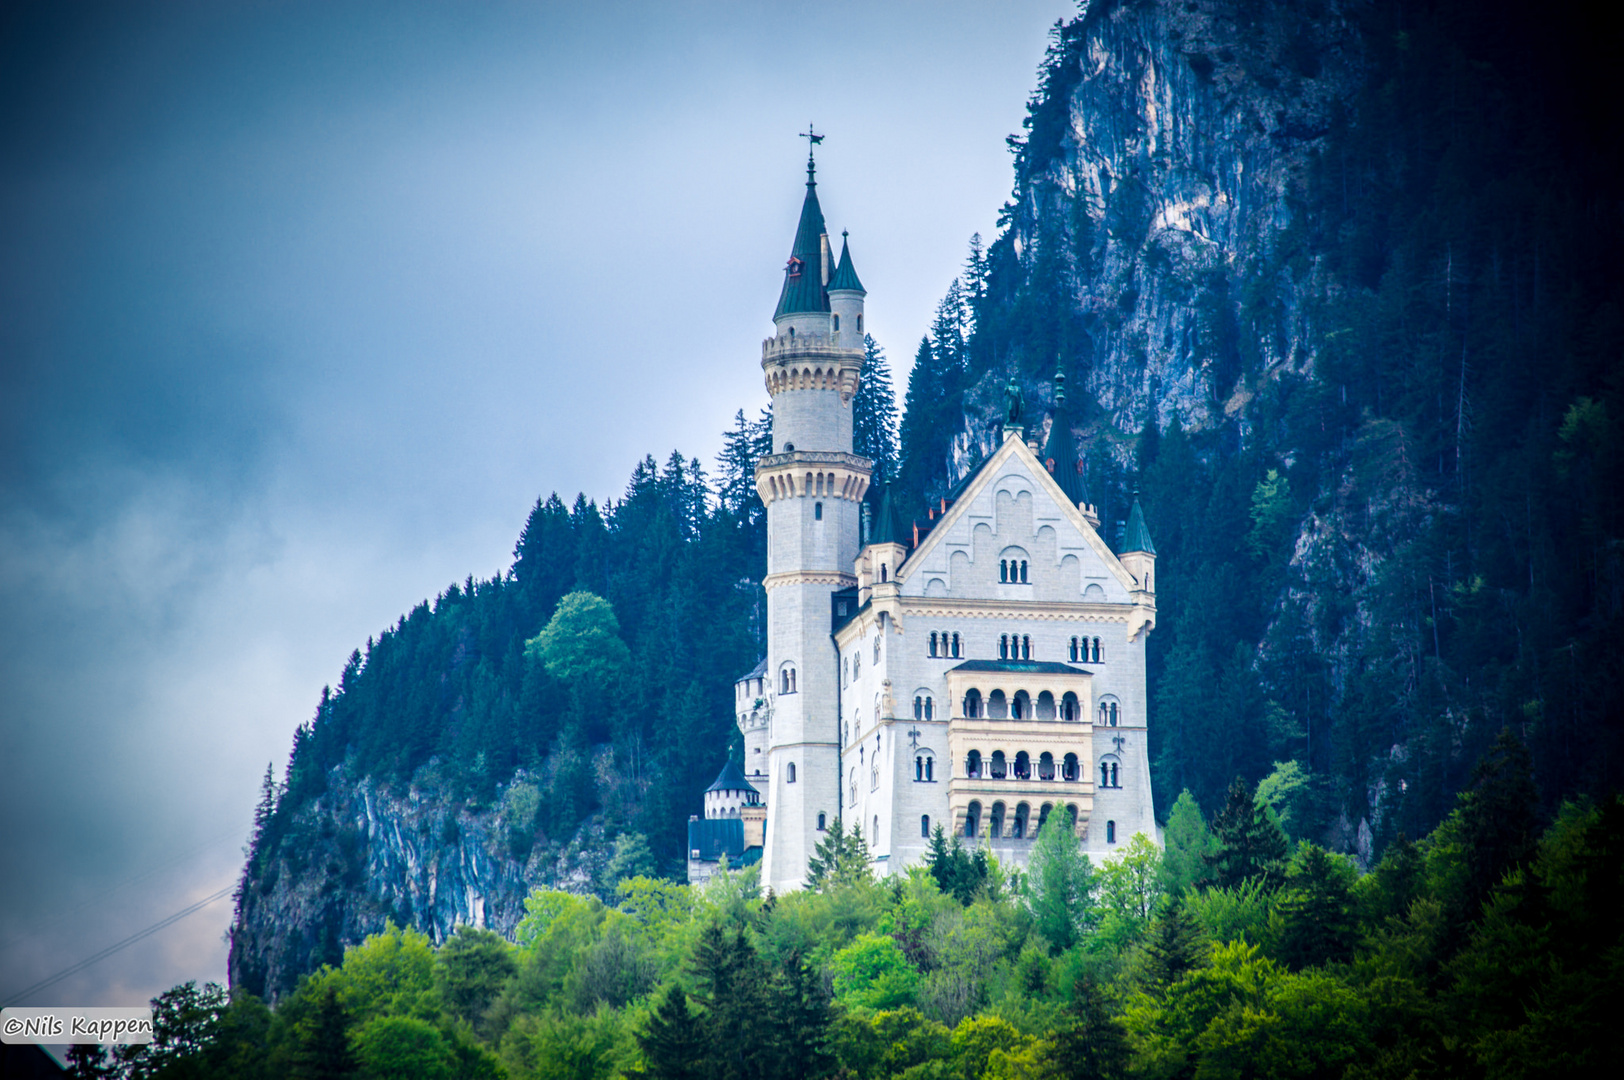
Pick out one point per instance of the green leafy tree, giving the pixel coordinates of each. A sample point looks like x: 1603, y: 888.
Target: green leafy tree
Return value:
x: 1059, y: 885
x: 404, y: 1048
x: 1130, y: 882
x: 470, y: 970
x: 873, y: 973
x: 322, y: 1049
x: 1188, y: 845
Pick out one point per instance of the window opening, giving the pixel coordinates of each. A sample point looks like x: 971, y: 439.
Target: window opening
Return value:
x: 790, y: 778
x: 822, y: 823
x: 1023, y: 571
x: 817, y: 508
x: 1110, y: 832
x: 924, y: 826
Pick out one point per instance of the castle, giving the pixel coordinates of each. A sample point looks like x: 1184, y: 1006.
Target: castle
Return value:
x: 978, y: 667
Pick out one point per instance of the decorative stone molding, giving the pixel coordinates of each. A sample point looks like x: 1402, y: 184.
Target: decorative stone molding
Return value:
x: 807, y: 577
x: 810, y: 362
x: 816, y: 473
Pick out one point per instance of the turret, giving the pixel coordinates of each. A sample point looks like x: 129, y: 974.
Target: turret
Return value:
x: 846, y: 294
x: 1139, y: 554
x: 885, y: 548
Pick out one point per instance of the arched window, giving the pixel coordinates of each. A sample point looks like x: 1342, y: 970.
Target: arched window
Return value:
x: 854, y: 785
x: 1003, y: 570
x: 859, y: 324
x: 822, y: 822
x: 995, y: 826
x: 1003, y: 646
x: 1115, y: 781
x: 1110, y: 832
x: 1023, y: 571
x: 932, y: 644
x: 1021, y: 707
x: 999, y: 767
x: 1023, y: 766
x: 876, y: 649
x: 972, y: 819
x: 1095, y: 657
x: 1105, y: 775
x: 997, y: 706
x: 874, y: 774
x: 786, y: 679
x: 972, y: 705
x: 1023, y: 814
x: 919, y: 768
x: 837, y: 324
x: 1046, y: 766
x: 1045, y: 710
x: 924, y: 826
x: 1043, y: 815
x: 789, y: 776
x: 884, y: 571
x: 1071, y: 651
x: 1069, y: 708
x: 930, y: 770
x: 1026, y: 646
x: 817, y: 508
x: 956, y: 652
x: 972, y: 765
x: 1068, y: 767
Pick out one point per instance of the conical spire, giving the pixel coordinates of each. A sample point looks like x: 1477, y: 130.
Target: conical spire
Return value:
x: 1060, y: 455
x: 846, y: 274
x: 887, y: 528
x: 1137, y: 535
x: 803, y: 274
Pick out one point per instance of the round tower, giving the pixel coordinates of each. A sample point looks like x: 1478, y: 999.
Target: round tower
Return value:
x: 813, y: 486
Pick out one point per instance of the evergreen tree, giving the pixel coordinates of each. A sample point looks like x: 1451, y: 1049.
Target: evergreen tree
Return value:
x: 676, y: 1042
x: 1315, y: 908
x: 1173, y: 946
x: 1250, y: 844
x: 1091, y: 1045
x: 1187, y: 844
x: 957, y: 872
x: 797, y: 1022
x: 841, y: 859
x: 731, y: 988
x: 874, y: 413
x: 323, y: 1051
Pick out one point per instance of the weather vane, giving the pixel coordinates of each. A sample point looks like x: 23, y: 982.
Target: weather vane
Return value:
x: 812, y: 139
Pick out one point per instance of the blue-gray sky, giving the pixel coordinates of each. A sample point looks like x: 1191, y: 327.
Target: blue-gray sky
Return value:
x: 302, y: 305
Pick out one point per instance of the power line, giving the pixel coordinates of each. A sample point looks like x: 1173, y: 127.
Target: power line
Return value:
x: 126, y: 943
x: 23, y: 935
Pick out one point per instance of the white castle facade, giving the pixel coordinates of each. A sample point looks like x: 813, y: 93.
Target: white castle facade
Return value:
x: 979, y: 666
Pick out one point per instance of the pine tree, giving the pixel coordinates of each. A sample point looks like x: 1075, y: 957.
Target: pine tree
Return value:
x: 797, y: 1022
x: 840, y: 859
x: 1250, y: 844
x: 1091, y: 1045
x: 731, y: 987
x: 1173, y: 946
x: 1318, y: 926
x: 874, y: 413
x: 676, y: 1043
x: 324, y: 1051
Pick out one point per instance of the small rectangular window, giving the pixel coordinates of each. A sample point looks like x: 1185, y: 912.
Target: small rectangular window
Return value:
x: 817, y: 511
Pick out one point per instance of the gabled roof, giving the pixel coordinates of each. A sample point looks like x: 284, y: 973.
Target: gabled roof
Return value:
x: 846, y: 274
x: 1137, y: 535
x: 978, y: 481
x: 803, y: 275
x: 731, y: 779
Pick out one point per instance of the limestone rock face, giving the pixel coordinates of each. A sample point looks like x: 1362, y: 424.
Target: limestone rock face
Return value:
x: 1161, y: 182
x: 364, y: 855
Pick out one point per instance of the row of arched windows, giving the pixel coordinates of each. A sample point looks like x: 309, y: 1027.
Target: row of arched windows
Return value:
x: 1012, y: 571
x: 1109, y: 776
x: 1020, y: 825
x: 1110, y: 713
x: 924, y: 707
x: 945, y: 644
x: 925, y: 769
x: 1084, y: 650
x: 999, y: 767
x: 997, y: 706
x: 1014, y: 646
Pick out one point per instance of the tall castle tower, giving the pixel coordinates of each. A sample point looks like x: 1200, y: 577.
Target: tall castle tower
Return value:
x: 813, y: 486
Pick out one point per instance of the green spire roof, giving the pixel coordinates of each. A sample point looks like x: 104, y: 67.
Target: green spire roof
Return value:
x: 803, y: 274
x: 846, y: 274
x: 1137, y: 536
x: 731, y: 779
x: 1060, y: 455
x: 887, y: 527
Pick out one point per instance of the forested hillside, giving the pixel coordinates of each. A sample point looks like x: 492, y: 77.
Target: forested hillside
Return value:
x: 1341, y: 283
x: 1334, y: 286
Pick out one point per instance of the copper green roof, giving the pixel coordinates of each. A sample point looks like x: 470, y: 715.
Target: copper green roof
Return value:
x: 887, y: 527
x: 731, y: 779
x: 1137, y: 536
x: 803, y: 274
x: 1060, y: 455
x: 846, y: 274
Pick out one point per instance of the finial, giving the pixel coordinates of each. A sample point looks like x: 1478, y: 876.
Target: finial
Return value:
x: 1059, y: 384
x: 812, y: 139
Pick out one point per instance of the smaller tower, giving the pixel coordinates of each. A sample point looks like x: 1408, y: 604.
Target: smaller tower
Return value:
x: 1139, y: 556
x: 753, y: 709
x: 846, y: 301
x: 885, y: 548
x: 1060, y: 456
